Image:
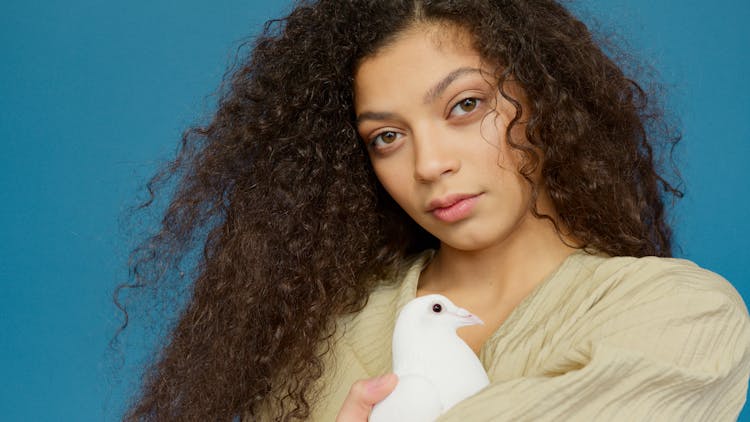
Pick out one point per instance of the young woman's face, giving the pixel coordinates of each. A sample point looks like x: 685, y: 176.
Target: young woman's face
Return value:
x: 434, y: 126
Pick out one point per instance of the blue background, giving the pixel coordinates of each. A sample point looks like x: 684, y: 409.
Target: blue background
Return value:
x: 93, y: 97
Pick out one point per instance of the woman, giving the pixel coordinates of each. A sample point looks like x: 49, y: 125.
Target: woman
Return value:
x: 373, y: 151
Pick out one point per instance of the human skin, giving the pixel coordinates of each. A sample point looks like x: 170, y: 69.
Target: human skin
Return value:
x: 435, y: 128
x: 363, y: 395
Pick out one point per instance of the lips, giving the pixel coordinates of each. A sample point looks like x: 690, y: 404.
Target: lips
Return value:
x: 453, y: 207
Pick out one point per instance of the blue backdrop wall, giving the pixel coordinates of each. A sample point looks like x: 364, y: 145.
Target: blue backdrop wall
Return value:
x: 94, y: 95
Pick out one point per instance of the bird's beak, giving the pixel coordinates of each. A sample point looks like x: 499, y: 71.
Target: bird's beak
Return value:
x: 467, y: 318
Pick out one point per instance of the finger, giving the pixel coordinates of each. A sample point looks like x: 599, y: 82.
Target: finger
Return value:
x: 363, y: 395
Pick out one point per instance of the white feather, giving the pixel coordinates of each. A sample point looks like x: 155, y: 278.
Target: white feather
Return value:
x: 436, y: 369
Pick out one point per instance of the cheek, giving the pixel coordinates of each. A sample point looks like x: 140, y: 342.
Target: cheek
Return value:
x: 494, y: 150
x: 494, y: 131
x: 392, y: 177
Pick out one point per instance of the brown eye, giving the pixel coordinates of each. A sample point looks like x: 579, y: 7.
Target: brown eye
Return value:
x: 465, y: 106
x: 437, y: 308
x: 468, y: 104
x: 388, y: 137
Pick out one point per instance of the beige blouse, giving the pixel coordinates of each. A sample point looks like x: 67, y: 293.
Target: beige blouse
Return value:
x: 601, y: 339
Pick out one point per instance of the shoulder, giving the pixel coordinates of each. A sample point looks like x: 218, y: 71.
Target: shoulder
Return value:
x: 669, y: 309
x: 630, y: 279
x: 361, y: 347
x: 391, y: 294
x: 367, y: 333
x: 620, y: 339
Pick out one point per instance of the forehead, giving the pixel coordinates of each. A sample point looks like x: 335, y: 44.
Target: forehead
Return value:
x: 413, y: 61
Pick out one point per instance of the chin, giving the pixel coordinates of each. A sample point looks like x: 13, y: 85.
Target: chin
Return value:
x: 468, y: 244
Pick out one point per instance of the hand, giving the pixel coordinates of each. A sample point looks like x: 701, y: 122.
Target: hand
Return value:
x: 363, y: 395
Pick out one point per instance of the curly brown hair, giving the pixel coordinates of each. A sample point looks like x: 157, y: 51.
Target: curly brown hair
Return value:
x: 294, y: 227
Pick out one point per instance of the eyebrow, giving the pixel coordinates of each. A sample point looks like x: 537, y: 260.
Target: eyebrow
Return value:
x: 444, y: 83
x: 373, y: 115
x: 431, y: 95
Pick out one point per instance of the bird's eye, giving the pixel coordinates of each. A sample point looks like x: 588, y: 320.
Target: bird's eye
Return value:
x: 437, y: 308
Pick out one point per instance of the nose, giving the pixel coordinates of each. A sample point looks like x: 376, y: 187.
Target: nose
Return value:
x: 433, y: 156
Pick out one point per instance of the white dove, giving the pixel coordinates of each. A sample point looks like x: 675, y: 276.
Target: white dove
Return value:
x: 435, y: 368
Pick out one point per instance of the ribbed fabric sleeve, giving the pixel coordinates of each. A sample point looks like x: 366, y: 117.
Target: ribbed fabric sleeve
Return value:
x: 648, y: 339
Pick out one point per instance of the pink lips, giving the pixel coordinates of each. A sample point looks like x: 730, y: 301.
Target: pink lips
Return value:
x: 453, y: 207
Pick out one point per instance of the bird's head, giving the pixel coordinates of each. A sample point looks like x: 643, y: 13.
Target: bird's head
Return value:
x: 437, y: 311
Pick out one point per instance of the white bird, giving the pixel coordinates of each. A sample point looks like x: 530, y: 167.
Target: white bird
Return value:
x: 436, y: 368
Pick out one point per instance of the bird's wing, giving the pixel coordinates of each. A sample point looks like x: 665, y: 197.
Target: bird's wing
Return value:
x: 456, y: 371
x: 415, y: 399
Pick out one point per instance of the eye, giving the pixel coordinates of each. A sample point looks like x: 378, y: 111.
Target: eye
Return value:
x: 465, y: 106
x: 385, y: 138
x: 437, y: 308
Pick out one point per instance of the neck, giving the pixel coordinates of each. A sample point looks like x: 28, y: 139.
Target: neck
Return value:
x: 508, y: 269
